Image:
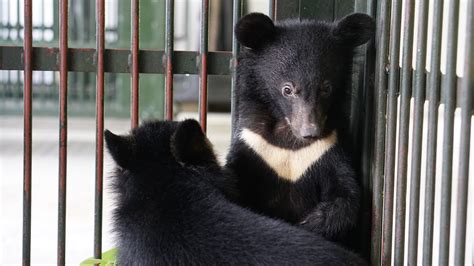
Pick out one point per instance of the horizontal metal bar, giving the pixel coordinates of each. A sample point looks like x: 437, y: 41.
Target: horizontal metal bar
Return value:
x: 115, y: 60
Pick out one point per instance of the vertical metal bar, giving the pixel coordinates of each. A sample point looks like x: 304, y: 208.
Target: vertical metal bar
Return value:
x: 27, y: 120
x: 404, y: 123
x: 433, y: 97
x: 467, y: 88
x: 271, y: 9
x: 449, y: 106
x: 366, y: 141
x: 169, y: 59
x: 391, y: 131
x: 63, y: 49
x: 237, y: 12
x: 135, y: 74
x: 203, y: 65
x: 419, y: 95
x: 381, y: 40
x: 99, y: 159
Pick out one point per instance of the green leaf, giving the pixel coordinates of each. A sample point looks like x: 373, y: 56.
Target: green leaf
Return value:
x: 109, y: 258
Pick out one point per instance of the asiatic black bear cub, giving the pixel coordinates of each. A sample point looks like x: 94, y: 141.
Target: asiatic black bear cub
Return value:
x: 170, y: 209
x: 293, y: 78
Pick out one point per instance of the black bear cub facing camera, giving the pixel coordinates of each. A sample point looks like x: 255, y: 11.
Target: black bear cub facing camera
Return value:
x: 170, y: 209
x: 293, y: 83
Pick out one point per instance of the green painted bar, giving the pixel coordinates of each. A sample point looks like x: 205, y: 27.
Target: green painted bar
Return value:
x: 116, y: 60
x: 321, y: 10
x: 286, y: 9
x: 345, y: 7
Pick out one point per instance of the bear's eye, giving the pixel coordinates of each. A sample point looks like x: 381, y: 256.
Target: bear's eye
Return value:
x: 287, y: 90
x: 326, y: 88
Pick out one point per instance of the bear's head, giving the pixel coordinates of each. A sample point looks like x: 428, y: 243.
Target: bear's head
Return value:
x: 300, y: 70
x: 157, y: 150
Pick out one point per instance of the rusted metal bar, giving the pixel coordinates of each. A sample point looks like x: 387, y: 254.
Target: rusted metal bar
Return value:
x: 27, y: 120
x: 237, y: 12
x: 203, y: 65
x: 99, y: 156
x: 419, y: 95
x: 404, y: 123
x: 63, y: 46
x: 449, y: 106
x: 115, y: 60
x: 467, y: 88
x: 433, y: 98
x: 169, y: 59
x: 381, y: 42
x: 135, y: 14
x: 394, y: 70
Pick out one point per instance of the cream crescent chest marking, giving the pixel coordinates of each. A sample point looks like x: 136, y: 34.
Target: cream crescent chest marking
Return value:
x: 288, y: 164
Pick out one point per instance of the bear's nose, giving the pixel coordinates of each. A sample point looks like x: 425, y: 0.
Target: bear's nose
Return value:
x: 309, y: 131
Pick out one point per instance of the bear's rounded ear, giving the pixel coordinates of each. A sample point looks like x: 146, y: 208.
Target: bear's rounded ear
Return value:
x: 120, y: 148
x: 354, y: 29
x: 190, y: 146
x: 254, y: 30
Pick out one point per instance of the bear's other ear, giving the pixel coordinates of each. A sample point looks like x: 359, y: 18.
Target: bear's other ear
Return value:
x: 120, y: 147
x: 354, y: 29
x: 190, y: 146
x: 254, y: 30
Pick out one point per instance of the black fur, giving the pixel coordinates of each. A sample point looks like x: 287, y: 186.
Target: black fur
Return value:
x: 170, y: 211
x: 315, y: 58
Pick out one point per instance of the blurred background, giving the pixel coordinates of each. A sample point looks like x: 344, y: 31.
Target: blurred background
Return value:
x: 81, y: 112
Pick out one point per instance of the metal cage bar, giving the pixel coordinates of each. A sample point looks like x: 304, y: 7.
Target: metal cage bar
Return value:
x: 382, y: 37
x: 433, y: 97
x: 134, y: 112
x: 394, y: 70
x: 63, y: 92
x: 116, y: 60
x: 449, y: 106
x: 203, y: 64
x: 419, y: 95
x: 169, y: 59
x: 467, y: 94
x: 99, y: 171
x: 404, y: 123
x: 237, y: 12
x: 271, y: 9
x: 27, y: 130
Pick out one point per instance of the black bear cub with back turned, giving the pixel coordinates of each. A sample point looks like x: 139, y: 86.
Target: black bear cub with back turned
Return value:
x: 171, y: 211
x: 293, y: 82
